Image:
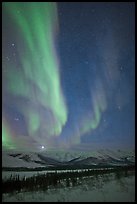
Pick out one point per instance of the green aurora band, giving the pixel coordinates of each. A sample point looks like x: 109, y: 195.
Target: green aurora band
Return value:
x: 92, y: 119
x: 99, y: 105
x: 6, y: 137
x: 37, y: 79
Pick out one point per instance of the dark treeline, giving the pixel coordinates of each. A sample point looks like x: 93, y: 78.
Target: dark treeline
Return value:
x: 68, y: 167
x: 44, y: 181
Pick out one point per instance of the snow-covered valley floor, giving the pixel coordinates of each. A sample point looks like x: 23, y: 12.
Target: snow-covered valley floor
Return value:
x: 101, y: 188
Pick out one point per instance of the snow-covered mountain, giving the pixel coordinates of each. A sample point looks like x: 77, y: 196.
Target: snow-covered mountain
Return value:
x: 59, y: 158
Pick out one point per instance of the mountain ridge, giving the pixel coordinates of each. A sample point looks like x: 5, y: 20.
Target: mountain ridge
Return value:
x: 49, y: 158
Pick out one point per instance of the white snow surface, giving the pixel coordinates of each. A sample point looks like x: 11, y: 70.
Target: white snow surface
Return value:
x: 112, y: 190
x: 105, y: 189
x: 9, y: 161
x: 62, y: 155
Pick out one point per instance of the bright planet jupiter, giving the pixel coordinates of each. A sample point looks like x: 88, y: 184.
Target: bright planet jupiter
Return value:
x: 68, y: 75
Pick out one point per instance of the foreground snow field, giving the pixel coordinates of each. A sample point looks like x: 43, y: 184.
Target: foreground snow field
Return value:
x: 103, y: 188
x: 96, y: 188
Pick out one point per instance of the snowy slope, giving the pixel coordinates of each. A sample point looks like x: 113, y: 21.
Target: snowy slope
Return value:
x: 48, y: 158
x: 9, y: 159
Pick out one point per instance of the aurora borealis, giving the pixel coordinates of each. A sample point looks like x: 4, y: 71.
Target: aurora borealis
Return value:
x: 38, y: 80
x: 67, y: 81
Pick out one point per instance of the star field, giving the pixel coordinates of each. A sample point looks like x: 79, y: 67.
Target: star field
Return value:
x: 68, y: 75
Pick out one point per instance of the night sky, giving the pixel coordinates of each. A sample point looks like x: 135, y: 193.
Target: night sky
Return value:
x: 68, y: 75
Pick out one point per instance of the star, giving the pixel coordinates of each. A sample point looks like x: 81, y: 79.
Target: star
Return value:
x: 82, y: 99
x: 119, y: 107
x: 5, y: 71
x: 7, y: 58
x: 121, y: 68
x: 13, y: 44
x: 16, y: 119
x: 86, y: 62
